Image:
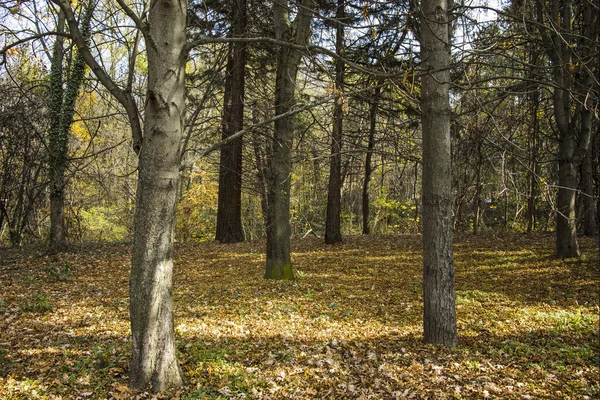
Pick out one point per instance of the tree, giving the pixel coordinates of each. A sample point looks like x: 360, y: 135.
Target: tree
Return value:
x: 590, y: 227
x: 61, y: 107
x: 438, y: 263
x: 569, y: 39
x: 229, y: 212
x: 333, y: 233
x: 279, y: 264
x: 366, y: 229
x: 154, y: 360
x: 22, y: 153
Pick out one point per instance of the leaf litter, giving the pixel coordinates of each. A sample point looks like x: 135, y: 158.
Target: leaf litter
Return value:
x: 349, y: 326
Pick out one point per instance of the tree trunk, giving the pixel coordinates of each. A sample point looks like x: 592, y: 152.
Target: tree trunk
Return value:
x: 438, y: 262
x: 261, y: 185
x: 229, y: 211
x: 596, y: 169
x: 533, y: 144
x: 572, y: 148
x: 478, y: 188
x: 57, y: 144
x: 368, y: 167
x: 590, y: 228
x: 333, y: 232
x: 279, y: 265
x: 154, y: 360
x: 566, y: 233
x: 62, y: 114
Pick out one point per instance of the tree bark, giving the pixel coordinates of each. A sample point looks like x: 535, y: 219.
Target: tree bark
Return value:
x: 368, y: 167
x: 438, y: 263
x: 561, y: 41
x: 478, y: 188
x: 261, y: 185
x: 533, y: 143
x: 62, y: 111
x: 229, y: 211
x: 333, y: 232
x: 57, y: 144
x: 590, y: 228
x: 279, y: 265
x: 154, y: 360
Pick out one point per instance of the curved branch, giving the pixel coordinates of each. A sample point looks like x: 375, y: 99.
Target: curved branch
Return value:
x: 6, y: 48
x: 125, y: 99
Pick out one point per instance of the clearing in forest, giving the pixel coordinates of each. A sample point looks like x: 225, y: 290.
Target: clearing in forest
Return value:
x: 349, y: 327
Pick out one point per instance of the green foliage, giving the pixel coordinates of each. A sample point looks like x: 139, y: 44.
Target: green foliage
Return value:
x: 101, y: 224
x: 103, y: 356
x: 62, y: 272
x: 27, y: 280
x: 39, y: 304
x: 394, y: 216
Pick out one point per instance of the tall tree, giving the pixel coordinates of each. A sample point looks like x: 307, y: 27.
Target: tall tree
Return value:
x: 373, y: 106
x: 61, y: 108
x: 590, y: 226
x: 438, y: 262
x: 534, y: 100
x: 154, y: 360
x: 229, y: 211
x: 279, y: 264
x: 333, y: 233
x: 570, y: 42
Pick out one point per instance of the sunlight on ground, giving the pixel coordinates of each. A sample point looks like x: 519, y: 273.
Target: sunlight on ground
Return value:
x: 348, y: 327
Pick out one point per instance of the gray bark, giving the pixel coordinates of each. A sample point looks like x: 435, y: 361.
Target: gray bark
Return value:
x: 438, y: 262
x: 279, y: 265
x: 154, y: 360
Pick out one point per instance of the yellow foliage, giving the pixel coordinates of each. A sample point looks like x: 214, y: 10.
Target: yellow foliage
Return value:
x: 197, y: 210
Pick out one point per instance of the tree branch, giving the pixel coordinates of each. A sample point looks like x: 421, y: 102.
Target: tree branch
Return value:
x: 6, y: 48
x: 125, y: 99
x: 238, y: 134
x: 310, y: 48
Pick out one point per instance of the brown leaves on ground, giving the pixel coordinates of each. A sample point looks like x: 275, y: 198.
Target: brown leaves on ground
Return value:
x: 348, y: 328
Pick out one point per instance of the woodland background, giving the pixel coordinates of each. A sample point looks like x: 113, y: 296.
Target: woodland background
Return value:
x: 504, y: 140
x: 332, y: 100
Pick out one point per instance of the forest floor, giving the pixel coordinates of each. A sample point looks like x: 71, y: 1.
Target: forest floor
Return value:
x: 349, y: 327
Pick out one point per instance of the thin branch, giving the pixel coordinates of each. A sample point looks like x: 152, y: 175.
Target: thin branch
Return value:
x: 239, y: 134
x: 134, y: 17
x: 310, y: 48
x: 6, y: 48
x: 125, y: 99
